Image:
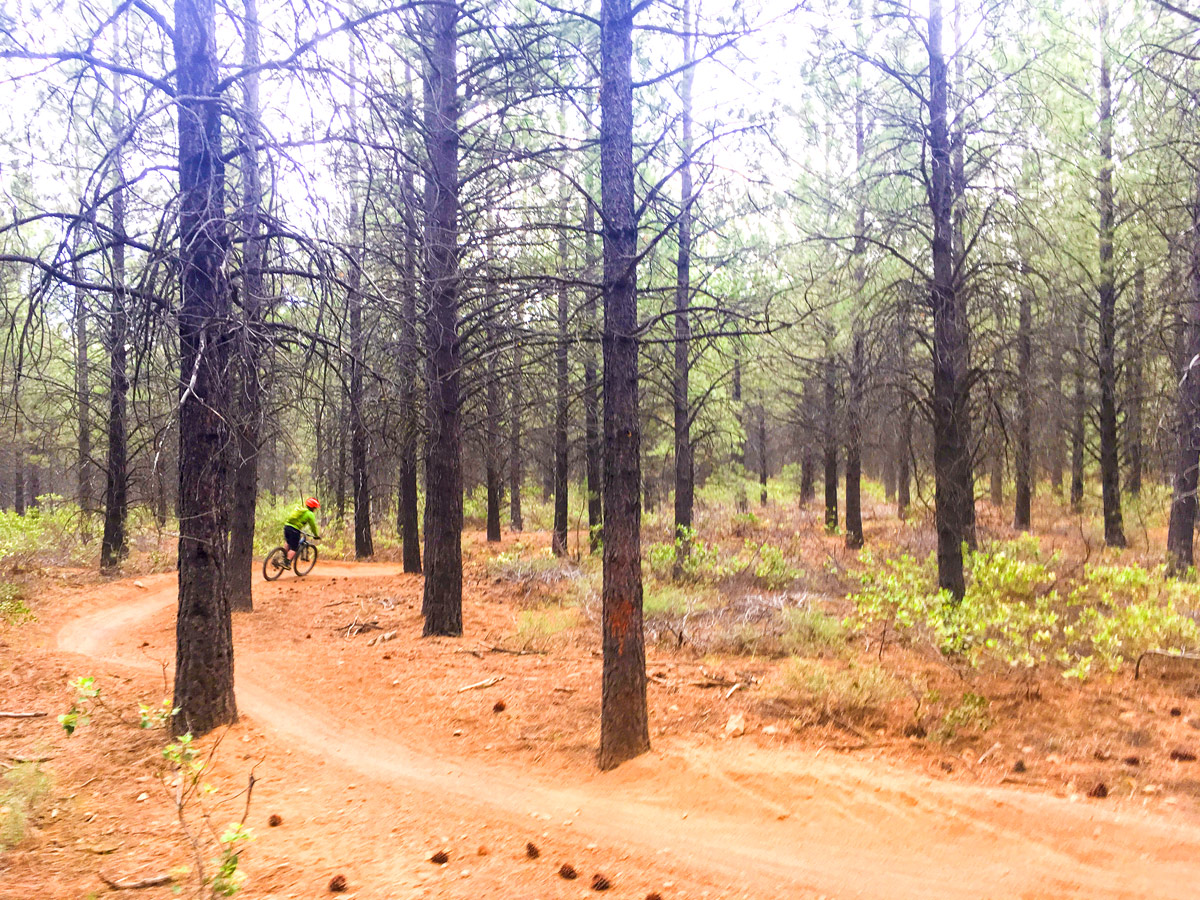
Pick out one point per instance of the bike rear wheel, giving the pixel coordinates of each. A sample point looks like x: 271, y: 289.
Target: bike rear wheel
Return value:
x: 305, y: 560
x: 275, y: 563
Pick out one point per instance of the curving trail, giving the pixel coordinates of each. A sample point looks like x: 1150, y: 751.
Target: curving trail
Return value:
x: 731, y: 819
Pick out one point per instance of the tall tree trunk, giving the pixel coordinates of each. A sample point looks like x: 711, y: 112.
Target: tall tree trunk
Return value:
x: 343, y: 414
x: 515, y: 467
x: 762, y: 455
x: 20, y: 451
x: 1078, y: 415
x: 407, y: 513
x: 624, y: 718
x: 1181, y: 528
x: 854, y: 527
x: 684, y: 461
x: 996, y: 442
x: 958, y: 211
x: 247, y: 405
x: 113, y: 543
x: 954, y: 493
x: 1024, y: 455
x: 1110, y: 472
x: 904, y: 436
x: 83, y: 399
x: 594, y: 444
x: 442, y: 603
x: 558, y: 540
x: 830, y: 438
x: 1057, y: 426
x: 364, y: 545
x: 491, y: 451
x: 1137, y: 389
x: 203, y: 632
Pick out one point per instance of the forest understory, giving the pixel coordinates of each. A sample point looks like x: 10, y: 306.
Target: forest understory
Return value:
x: 792, y: 755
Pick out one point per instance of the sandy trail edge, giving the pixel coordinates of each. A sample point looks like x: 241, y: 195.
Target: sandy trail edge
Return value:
x: 778, y: 823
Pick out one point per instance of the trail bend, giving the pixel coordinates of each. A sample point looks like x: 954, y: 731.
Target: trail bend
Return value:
x: 736, y: 820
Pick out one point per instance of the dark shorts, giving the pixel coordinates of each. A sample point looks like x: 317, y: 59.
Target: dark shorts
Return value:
x: 292, y: 536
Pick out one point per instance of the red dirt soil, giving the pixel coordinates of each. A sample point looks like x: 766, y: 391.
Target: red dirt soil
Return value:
x: 374, y: 758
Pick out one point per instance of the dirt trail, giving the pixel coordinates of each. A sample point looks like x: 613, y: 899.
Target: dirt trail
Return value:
x: 726, y: 819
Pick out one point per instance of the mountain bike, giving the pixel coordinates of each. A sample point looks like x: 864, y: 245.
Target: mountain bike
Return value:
x: 277, y: 561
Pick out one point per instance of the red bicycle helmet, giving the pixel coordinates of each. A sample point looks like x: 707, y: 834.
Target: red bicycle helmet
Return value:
x: 312, y: 503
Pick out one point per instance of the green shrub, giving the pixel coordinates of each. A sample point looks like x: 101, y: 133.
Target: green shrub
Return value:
x: 811, y: 632
x: 702, y: 562
x: 13, y: 609
x: 1014, y: 613
x: 45, y: 535
x: 24, y: 787
x: 771, y: 569
x: 666, y: 599
x: 851, y: 693
x: 970, y: 715
x: 535, y: 627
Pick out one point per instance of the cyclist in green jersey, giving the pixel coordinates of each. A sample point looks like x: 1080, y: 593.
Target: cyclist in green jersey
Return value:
x: 301, y: 516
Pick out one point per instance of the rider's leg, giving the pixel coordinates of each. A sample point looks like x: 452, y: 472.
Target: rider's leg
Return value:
x: 291, y: 537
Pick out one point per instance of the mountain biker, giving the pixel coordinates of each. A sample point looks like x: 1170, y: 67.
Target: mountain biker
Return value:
x: 301, y: 516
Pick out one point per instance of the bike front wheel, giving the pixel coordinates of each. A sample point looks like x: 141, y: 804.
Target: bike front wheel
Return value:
x: 275, y: 563
x: 305, y: 560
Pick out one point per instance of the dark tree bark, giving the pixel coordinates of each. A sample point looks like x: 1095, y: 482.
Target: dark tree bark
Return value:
x: 19, y: 454
x: 515, y: 473
x: 1181, y: 528
x: 1024, y: 455
x: 594, y: 445
x: 558, y: 537
x: 1110, y: 471
x: 1078, y: 413
x: 1137, y: 389
x: 113, y: 543
x: 364, y: 545
x: 830, y: 439
x: 854, y: 406
x: 762, y: 456
x: 203, y: 632
x: 953, y: 491
x: 854, y: 527
x: 83, y: 392
x: 684, y: 461
x: 247, y: 405
x: 904, y: 435
x: 492, y: 475
x: 407, y: 512
x: 343, y: 428
x: 1056, y: 407
x: 624, y: 718
x: 442, y: 604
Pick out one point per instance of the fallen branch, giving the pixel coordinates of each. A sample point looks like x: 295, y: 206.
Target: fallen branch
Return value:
x: 987, y: 753
x: 153, y: 881
x: 740, y: 686
x: 23, y: 715
x: 523, y: 652
x: 486, y: 683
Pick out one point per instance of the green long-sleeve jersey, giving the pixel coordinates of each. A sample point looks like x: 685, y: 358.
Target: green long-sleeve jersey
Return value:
x: 303, y: 516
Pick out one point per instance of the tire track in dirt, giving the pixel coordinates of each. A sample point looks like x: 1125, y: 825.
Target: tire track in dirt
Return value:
x: 767, y: 823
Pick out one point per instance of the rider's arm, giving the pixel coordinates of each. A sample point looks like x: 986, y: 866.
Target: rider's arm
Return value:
x: 312, y: 522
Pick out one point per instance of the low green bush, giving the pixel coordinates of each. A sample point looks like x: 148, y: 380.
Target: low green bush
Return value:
x: 22, y: 789
x: 1016, y: 613
x: 851, y: 693
x: 811, y: 632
